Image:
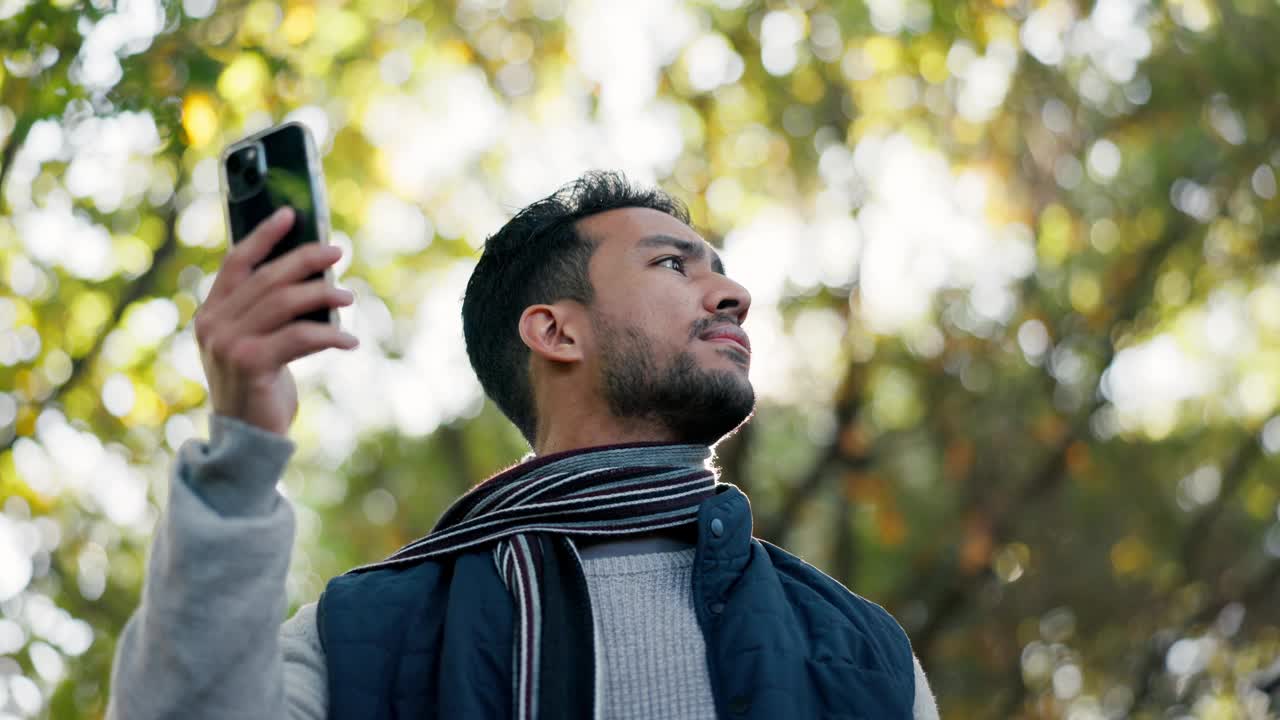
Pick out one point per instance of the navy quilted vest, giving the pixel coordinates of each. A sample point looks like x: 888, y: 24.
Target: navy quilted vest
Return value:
x: 783, y: 639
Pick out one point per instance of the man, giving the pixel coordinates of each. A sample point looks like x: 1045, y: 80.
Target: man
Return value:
x: 609, y: 576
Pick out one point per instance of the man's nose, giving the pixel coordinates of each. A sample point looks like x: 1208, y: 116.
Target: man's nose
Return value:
x: 730, y: 297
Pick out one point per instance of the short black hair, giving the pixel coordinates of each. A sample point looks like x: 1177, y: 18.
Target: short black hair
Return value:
x: 538, y: 257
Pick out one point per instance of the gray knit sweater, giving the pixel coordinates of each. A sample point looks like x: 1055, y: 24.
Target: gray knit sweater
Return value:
x: 207, y: 641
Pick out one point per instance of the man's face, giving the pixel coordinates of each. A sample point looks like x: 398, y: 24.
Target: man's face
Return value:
x: 666, y: 323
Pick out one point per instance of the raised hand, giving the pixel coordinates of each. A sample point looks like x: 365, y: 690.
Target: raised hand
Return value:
x: 246, y: 330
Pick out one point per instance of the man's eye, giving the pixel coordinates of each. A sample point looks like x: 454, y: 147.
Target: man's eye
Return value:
x: 678, y: 263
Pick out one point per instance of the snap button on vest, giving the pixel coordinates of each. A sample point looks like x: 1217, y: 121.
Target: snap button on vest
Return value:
x: 717, y: 527
x: 717, y: 608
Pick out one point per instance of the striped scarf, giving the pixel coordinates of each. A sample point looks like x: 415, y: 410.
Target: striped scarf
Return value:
x: 529, y: 513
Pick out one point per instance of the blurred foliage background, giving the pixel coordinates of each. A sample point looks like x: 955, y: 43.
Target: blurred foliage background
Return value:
x: 1017, y: 302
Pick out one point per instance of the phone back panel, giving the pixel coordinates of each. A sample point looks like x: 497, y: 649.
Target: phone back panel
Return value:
x: 291, y: 179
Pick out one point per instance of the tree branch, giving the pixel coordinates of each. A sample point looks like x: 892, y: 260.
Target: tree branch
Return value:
x: 848, y: 405
x: 1245, y: 455
x: 6, y: 158
x: 16, y: 139
x: 1262, y: 588
x: 144, y: 286
x: 1001, y: 518
x: 1242, y: 459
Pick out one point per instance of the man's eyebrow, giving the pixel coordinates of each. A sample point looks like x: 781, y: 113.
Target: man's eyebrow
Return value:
x: 696, y: 251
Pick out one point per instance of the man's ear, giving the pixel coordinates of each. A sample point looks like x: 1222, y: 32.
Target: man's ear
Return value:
x: 551, y: 332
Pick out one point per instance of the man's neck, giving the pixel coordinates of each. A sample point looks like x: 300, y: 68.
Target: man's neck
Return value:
x: 589, y: 432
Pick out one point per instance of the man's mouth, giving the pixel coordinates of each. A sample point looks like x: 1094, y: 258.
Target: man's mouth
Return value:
x: 730, y: 336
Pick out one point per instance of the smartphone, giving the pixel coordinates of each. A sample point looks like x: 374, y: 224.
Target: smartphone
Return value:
x: 270, y: 169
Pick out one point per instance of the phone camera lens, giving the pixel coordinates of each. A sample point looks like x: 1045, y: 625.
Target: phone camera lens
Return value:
x: 251, y: 175
x: 250, y: 154
x: 234, y: 164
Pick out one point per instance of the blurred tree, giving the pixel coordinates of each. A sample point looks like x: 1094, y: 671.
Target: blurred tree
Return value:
x: 1016, y: 279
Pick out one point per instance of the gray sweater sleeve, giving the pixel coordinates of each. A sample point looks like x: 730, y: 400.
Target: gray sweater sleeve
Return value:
x: 925, y: 708
x: 206, y: 640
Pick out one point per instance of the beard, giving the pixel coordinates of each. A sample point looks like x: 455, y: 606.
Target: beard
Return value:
x: 696, y: 405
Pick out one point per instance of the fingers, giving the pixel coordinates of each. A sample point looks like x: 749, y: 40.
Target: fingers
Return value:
x: 246, y: 254
x: 300, y: 339
x: 283, y: 304
x: 290, y: 269
x: 247, y: 320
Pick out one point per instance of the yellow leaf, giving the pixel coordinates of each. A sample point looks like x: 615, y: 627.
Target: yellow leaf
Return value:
x: 1086, y: 292
x: 338, y: 31
x: 1129, y: 555
x: 148, y: 409
x: 87, y: 314
x: 244, y: 79
x: 1260, y: 500
x: 298, y: 24
x: 885, y: 53
x: 1055, y: 234
x: 199, y: 119
x: 933, y: 67
x: 807, y: 86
